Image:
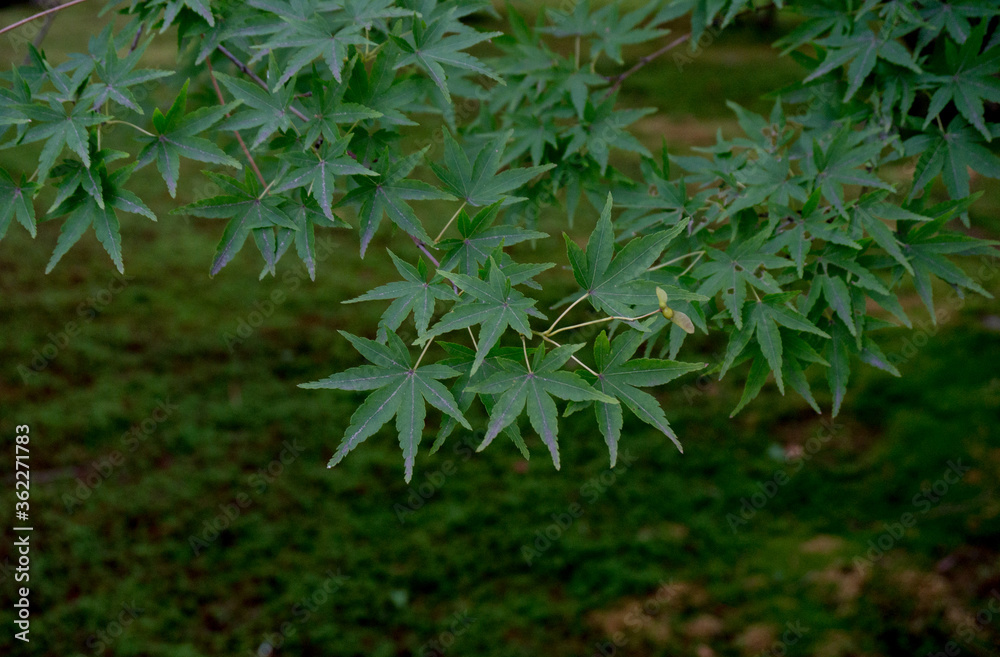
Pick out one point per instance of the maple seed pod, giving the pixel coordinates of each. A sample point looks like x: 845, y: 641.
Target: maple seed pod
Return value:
x: 661, y: 295
x: 682, y: 320
x: 675, y: 316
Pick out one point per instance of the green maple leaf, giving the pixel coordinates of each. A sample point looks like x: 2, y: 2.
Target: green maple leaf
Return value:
x: 84, y: 211
x: 400, y: 391
x: 317, y: 170
x: 621, y: 378
x: 177, y: 135
x: 534, y: 388
x: 927, y: 246
x: 862, y: 49
x: 968, y: 78
x: 326, y: 108
x: 843, y: 161
x: 117, y: 75
x: 731, y: 271
x: 318, y: 36
x: 17, y: 202
x: 414, y: 294
x: 478, y: 183
x: 250, y: 212
x: 60, y: 128
x: 462, y: 358
x: 812, y: 222
x: 952, y: 16
x: 531, y: 134
x: 387, y: 193
x: 75, y: 175
x: 616, y: 32
x: 268, y: 111
x: 761, y: 319
x: 494, y: 304
x: 951, y: 152
x: 797, y: 357
x: 306, y: 214
x: 173, y: 7
x: 603, y: 128
x: 382, y: 88
x: 432, y: 49
x: 479, y: 237
x: 838, y: 353
x: 869, y: 214
x: 610, y: 280
x: 669, y: 204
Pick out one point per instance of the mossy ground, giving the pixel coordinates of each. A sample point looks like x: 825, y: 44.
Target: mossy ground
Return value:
x: 649, y: 559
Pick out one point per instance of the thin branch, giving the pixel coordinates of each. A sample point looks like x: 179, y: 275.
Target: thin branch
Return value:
x: 131, y: 125
x: 575, y: 359
x: 473, y: 338
x: 14, y: 26
x: 256, y: 78
x: 524, y: 346
x: 246, y: 151
x: 40, y: 37
x: 691, y: 266
x: 551, y: 328
x: 423, y: 247
x: 135, y: 41
x: 603, y: 319
x: 427, y: 345
x: 441, y: 234
x: 645, y: 60
x: 678, y: 259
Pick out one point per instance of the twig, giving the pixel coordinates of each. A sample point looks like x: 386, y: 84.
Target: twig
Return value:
x: 423, y: 247
x: 524, y: 346
x: 441, y: 234
x: 256, y: 78
x: 575, y: 359
x: 131, y: 125
x: 603, y: 319
x: 40, y: 37
x: 551, y: 328
x: 473, y: 338
x: 246, y: 151
x: 135, y: 41
x: 678, y: 259
x: 14, y: 26
x: 645, y: 60
x: 427, y: 345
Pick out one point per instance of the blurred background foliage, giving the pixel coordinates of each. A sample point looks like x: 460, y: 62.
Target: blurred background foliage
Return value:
x: 175, y: 404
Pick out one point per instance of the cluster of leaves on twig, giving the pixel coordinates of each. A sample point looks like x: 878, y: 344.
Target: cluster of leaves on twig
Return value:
x: 786, y: 238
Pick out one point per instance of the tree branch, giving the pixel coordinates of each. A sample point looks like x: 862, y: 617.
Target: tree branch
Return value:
x: 246, y: 151
x: 256, y: 78
x: 27, y: 20
x: 645, y: 60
